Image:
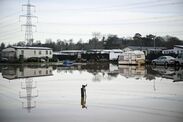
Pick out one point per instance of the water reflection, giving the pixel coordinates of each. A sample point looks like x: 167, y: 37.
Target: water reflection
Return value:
x: 109, y: 71
x: 28, y: 86
x: 118, y: 88
x: 16, y: 72
x: 174, y: 73
x: 83, y: 96
x: 27, y: 94
x: 99, y: 71
x: 132, y: 71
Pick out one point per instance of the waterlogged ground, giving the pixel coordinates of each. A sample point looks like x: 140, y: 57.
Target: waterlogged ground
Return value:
x: 114, y: 94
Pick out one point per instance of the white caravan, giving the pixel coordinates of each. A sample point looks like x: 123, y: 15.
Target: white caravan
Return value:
x: 132, y: 57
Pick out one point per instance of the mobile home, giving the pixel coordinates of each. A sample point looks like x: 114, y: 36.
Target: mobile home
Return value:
x: 132, y: 57
x: 17, y: 52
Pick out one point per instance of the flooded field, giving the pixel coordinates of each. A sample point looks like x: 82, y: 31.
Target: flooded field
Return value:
x: 113, y: 93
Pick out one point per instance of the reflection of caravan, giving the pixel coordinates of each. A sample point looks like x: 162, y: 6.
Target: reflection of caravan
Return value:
x: 132, y: 57
x: 132, y: 71
x: 26, y: 72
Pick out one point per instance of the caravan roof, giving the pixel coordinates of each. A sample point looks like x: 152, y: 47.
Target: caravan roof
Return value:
x: 137, y: 52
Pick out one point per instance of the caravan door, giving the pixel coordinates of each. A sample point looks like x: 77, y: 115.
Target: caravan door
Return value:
x: 130, y: 58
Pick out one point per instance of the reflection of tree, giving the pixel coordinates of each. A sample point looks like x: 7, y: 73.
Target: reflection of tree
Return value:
x: 109, y: 77
x: 150, y: 75
x: 88, y: 67
x: 102, y: 71
x: 97, y: 76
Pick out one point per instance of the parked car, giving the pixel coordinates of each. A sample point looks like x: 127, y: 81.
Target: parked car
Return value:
x: 164, y: 60
x: 179, y: 60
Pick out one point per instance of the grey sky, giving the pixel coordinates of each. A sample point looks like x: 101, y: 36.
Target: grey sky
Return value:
x: 77, y: 19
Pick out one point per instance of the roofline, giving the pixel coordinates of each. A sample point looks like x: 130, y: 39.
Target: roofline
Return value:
x: 27, y: 77
x: 178, y: 46
x: 33, y: 48
x: 144, y: 47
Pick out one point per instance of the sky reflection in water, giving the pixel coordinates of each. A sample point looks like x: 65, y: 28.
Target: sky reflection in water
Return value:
x: 120, y: 93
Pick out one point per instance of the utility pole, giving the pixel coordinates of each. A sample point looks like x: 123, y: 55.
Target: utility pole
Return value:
x: 155, y: 43
x: 28, y: 24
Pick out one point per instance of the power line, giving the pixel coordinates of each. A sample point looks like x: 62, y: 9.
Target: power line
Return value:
x: 141, y: 6
x: 11, y: 37
x: 76, y: 34
x: 9, y: 24
x: 9, y: 30
x: 10, y: 16
x: 136, y: 5
x: 118, y: 23
x: 10, y: 33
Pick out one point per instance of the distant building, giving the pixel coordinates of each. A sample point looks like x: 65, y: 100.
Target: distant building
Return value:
x: 17, y: 52
x: 111, y: 54
x: 168, y: 51
x: 176, y: 50
x: 68, y: 54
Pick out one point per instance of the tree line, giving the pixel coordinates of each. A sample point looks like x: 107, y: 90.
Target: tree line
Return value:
x: 108, y: 42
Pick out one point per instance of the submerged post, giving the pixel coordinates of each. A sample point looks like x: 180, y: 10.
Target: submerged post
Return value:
x: 83, y: 96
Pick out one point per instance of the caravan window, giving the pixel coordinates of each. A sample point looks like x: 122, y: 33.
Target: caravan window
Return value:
x: 46, y: 71
x: 40, y: 72
x: 22, y: 52
x: 121, y: 57
x: 138, y: 56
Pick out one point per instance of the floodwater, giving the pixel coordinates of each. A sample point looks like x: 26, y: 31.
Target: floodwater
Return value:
x: 113, y: 93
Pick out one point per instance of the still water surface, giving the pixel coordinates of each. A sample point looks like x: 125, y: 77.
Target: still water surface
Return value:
x: 114, y: 93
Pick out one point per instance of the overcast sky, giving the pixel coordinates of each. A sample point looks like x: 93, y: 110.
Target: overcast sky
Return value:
x: 77, y: 19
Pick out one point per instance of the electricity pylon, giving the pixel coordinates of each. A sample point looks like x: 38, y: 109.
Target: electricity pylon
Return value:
x: 28, y: 25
